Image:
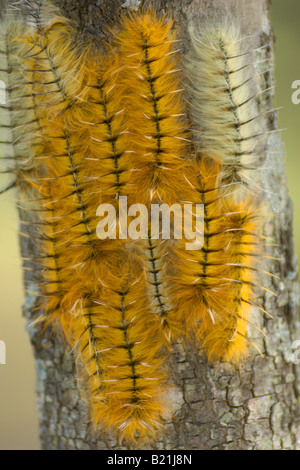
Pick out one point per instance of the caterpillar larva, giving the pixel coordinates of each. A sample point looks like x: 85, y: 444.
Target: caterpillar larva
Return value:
x: 61, y: 224
x: 213, y: 288
x: 18, y: 118
x: 109, y: 141
x: 152, y: 67
x: 117, y: 338
x: 155, y: 114
x: 226, y: 337
x: 223, y: 89
x: 48, y: 268
x: 73, y: 166
x: 29, y: 85
x: 22, y: 137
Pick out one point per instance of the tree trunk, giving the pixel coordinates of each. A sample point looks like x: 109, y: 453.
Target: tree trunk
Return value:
x: 216, y: 405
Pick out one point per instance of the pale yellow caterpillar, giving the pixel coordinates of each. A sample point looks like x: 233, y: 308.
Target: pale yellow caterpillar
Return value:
x: 223, y: 91
x: 19, y: 126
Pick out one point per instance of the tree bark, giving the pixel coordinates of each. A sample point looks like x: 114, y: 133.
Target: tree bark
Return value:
x: 216, y: 406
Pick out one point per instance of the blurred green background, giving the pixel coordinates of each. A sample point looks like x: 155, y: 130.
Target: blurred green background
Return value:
x: 18, y: 417
x: 286, y: 25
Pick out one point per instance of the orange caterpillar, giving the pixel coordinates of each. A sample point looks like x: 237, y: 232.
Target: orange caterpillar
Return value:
x: 154, y: 107
x: 39, y: 91
x: 49, y: 271
x: 117, y: 340
x: 22, y: 143
x: 226, y: 337
x: 73, y: 163
x: 213, y: 288
x: 62, y: 222
x: 109, y: 141
x: 158, y: 132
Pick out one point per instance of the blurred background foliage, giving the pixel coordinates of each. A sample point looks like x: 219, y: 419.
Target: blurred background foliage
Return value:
x: 286, y: 25
x: 18, y: 417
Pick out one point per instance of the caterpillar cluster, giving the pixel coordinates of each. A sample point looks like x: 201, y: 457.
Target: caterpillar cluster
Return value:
x: 82, y: 128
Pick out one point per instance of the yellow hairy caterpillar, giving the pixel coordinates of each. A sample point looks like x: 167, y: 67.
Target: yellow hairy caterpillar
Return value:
x: 73, y: 165
x: 155, y: 114
x: 48, y: 268
x: 117, y: 338
x: 213, y: 288
x: 222, y: 92
x: 24, y: 141
x: 225, y: 337
x: 57, y: 168
x: 34, y: 87
x: 104, y: 118
x: 155, y: 117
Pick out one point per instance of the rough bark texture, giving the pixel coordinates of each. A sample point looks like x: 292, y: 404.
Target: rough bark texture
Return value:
x: 215, y: 405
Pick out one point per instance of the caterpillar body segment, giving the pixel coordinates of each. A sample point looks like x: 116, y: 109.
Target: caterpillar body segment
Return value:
x: 227, y: 338
x: 127, y: 395
x: 154, y: 255
x: 109, y: 139
x: 223, y: 91
x: 213, y: 287
x: 155, y: 107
